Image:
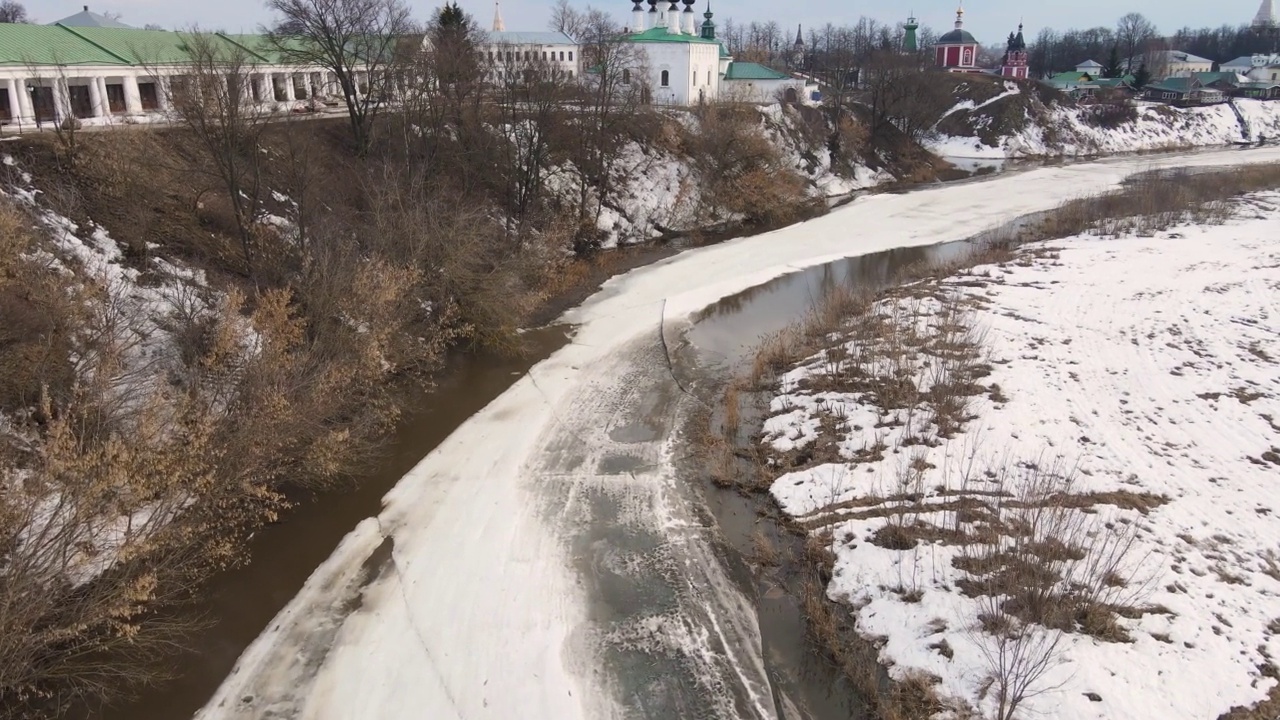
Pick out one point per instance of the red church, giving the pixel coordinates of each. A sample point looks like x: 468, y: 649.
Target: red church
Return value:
x: 957, y: 50
x: 1014, y: 64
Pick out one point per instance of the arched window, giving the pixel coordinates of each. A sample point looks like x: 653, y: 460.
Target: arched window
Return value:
x: 708, y: 77
x: 561, y: 56
x: 666, y: 78
x: 570, y: 56
x: 626, y: 76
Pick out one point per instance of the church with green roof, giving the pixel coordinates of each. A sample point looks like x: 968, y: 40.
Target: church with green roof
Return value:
x: 686, y: 64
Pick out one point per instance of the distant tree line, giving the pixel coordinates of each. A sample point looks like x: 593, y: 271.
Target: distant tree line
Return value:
x: 1135, y: 37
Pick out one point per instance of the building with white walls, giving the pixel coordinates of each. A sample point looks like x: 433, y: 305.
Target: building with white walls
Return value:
x: 685, y: 64
x: 503, y: 49
x: 97, y: 72
x: 1258, y: 68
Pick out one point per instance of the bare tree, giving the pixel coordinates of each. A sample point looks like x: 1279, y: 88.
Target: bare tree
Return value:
x: 529, y: 97
x: 12, y: 11
x: 66, y: 126
x: 215, y: 102
x: 568, y: 19
x: 359, y: 41
x: 449, y: 90
x: 1133, y: 33
x: 613, y: 94
x: 900, y: 95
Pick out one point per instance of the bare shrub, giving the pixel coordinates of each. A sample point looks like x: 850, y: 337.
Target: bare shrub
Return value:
x: 1052, y: 570
x: 744, y: 174
x: 1111, y: 115
x: 40, y: 314
x: 214, y: 102
x: 766, y: 553
x: 1156, y: 201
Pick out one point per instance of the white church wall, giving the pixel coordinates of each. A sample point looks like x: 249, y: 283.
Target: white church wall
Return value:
x: 692, y: 72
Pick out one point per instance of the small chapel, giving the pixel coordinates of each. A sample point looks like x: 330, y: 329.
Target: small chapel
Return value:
x: 957, y: 51
x: 1015, y: 65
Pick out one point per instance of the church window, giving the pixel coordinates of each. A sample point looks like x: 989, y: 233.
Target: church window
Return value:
x: 708, y: 77
x: 544, y: 55
x: 626, y: 76
x: 666, y: 79
x: 561, y: 56
x: 570, y: 56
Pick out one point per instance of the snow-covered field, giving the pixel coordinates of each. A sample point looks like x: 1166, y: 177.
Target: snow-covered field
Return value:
x: 1148, y: 369
x: 488, y: 612
x: 1067, y: 132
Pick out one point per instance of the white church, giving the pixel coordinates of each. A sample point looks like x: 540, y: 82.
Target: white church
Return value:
x: 688, y: 65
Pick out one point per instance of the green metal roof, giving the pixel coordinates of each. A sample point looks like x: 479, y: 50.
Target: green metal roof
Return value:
x: 752, y: 71
x: 1071, y: 77
x: 1212, y: 77
x: 257, y: 45
x: 660, y: 34
x: 137, y: 47
x: 50, y: 45
x: 1175, y: 84
x: 57, y: 44
x: 1113, y: 82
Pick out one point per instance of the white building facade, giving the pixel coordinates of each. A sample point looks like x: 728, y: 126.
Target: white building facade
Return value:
x: 1175, y: 63
x: 1258, y: 68
x: 55, y: 73
x: 684, y: 63
x: 503, y: 50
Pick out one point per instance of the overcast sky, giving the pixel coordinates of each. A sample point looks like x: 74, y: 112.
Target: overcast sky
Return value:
x: 989, y: 20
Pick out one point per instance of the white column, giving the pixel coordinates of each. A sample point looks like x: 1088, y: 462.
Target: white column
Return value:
x: 288, y: 87
x: 61, y: 100
x: 15, y: 90
x: 164, y: 92
x: 132, y: 98
x: 266, y: 93
x: 96, y: 101
x: 24, y: 100
x: 103, y: 96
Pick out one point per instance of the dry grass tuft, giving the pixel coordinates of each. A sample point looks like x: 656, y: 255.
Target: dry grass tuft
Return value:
x: 766, y: 553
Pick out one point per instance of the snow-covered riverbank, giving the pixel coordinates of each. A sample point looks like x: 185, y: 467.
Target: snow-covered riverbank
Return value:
x: 1140, y: 378
x: 1058, y: 131
x: 466, y: 596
